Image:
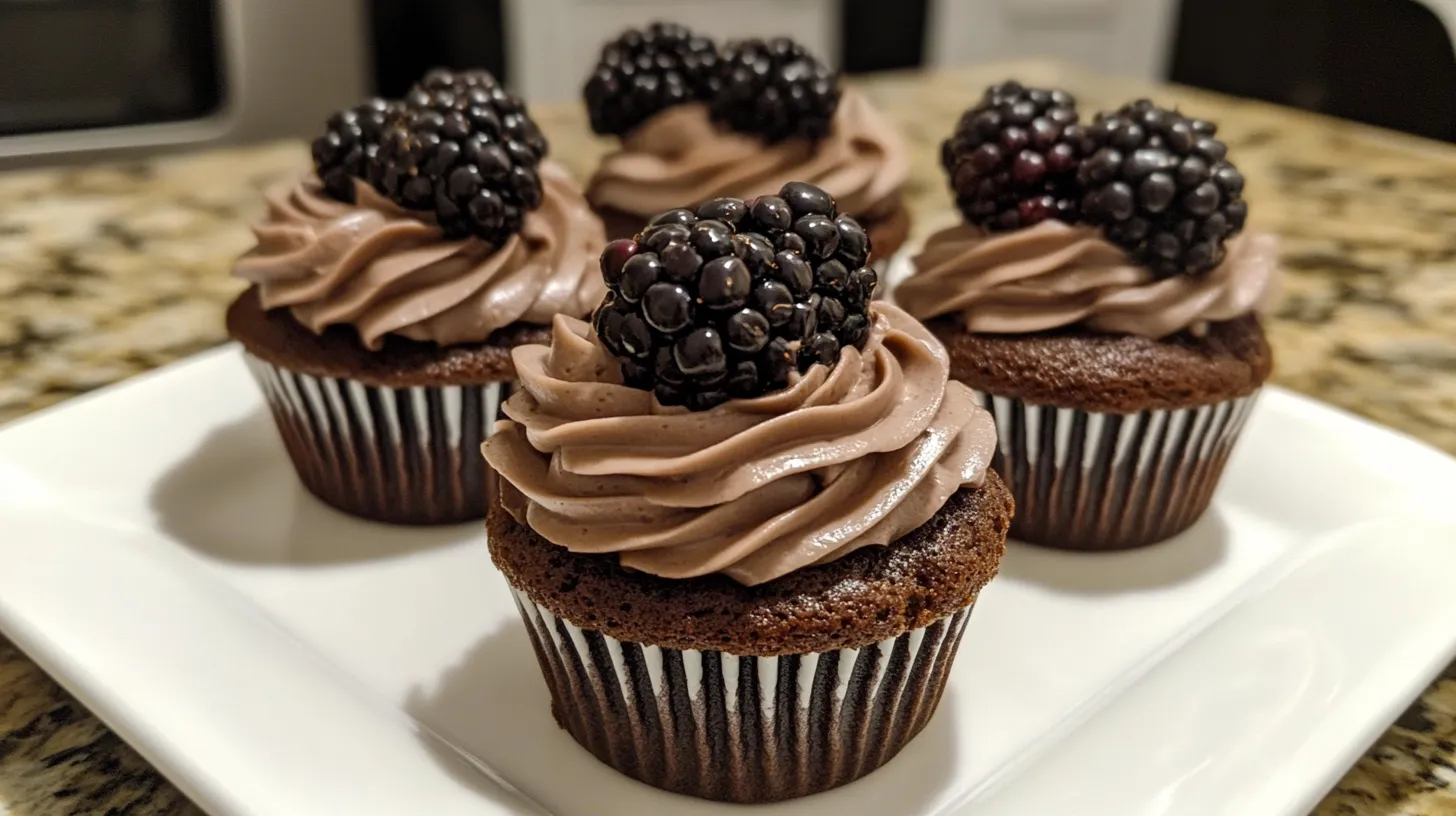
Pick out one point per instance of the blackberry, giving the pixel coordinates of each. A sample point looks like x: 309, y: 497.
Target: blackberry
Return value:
x: 713, y: 304
x: 439, y: 79
x: 1012, y: 160
x: 643, y: 72
x: 350, y: 140
x: 466, y: 149
x: 1161, y: 187
x: 775, y: 89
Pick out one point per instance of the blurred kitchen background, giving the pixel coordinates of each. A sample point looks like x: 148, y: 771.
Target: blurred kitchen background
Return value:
x: 81, y: 78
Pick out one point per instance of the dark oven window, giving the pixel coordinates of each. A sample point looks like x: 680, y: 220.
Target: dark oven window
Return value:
x: 69, y: 64
x: 1386, y: 62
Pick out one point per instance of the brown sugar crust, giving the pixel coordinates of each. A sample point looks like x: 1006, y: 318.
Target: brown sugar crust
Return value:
x: 275, y: 336
x: 867, y: 596
x: 888, y: 225
x: 1075, y: 368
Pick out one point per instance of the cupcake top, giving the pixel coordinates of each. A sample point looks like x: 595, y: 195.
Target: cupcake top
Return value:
x: 383, y: 269
x: 756, y: 488
x: 747, y: 428
x: 681, y: 155
x: 697, y: 123
x: 433, y: 218
x: 1129, y: 225
x: 1054, y: 275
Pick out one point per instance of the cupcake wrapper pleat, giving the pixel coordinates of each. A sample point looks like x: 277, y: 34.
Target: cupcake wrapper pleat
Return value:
x: 1086, y: 480
x: 741, y: 729
x: 402, y: 455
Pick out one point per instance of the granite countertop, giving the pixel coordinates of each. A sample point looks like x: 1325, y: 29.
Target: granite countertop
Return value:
x: 107, y: 271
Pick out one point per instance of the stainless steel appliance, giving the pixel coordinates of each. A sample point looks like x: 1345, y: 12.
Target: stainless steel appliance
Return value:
x: 89, y: 78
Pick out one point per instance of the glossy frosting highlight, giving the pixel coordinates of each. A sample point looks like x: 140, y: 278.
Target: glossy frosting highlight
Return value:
x: 844, y: 458
x: 387, y: 270
x: 1054, y: 275
x: 680, y: 157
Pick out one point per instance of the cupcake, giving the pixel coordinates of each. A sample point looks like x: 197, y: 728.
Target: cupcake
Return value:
x: 745, y: 530
x: 1102, y: 299
x: 698, y: 123
x: 390, y: 286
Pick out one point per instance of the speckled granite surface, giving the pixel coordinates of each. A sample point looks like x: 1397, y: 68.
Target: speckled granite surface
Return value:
x: 109, y: 271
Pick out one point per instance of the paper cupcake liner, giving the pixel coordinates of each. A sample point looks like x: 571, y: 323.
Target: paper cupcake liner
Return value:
x: 401, y: 455
x: 1085, y: 480
x: 741, y: 729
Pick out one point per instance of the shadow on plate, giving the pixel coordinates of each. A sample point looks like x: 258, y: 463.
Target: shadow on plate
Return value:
x: 236, y: 498
x: 1177, y: 560
x: 493, y: 703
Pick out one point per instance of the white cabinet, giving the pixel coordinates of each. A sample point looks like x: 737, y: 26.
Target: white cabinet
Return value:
x: 553, y: 44
x: 1124, y: 37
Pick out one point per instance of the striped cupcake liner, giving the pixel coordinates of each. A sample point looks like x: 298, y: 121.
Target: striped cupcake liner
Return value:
x: 1085, y: 480
x: 401, y: 455
x: 741, y: 729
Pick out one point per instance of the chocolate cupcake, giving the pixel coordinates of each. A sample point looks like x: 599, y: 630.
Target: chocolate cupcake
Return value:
x: 389, y: 287
x: 698, y: 122
x: 745, y: 569
x: 1104, y: 308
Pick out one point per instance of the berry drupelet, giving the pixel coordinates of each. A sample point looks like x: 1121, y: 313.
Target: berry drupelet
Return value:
x: 440, y: 79
x: 727, y: 300
x: 350, y: 140
x: 1012, y: 160
x: 466, y: 149
x: 1161, y: 187
x: 775, y: 89
x: 646, y: 71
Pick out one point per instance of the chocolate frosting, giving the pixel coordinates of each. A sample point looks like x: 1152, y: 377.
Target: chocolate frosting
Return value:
x: 1053, y: 275
x: 679, y: 156
x: 387, y: 270
x: 844, y: 458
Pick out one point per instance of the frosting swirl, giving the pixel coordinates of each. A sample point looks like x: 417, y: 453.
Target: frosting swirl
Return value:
x: 679, y: 156
x: 754, y: 489
x: 1053, y: 275
x: 387, y: 270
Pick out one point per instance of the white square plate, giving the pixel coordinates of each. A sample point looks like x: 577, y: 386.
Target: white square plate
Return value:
x: 274, y: 657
